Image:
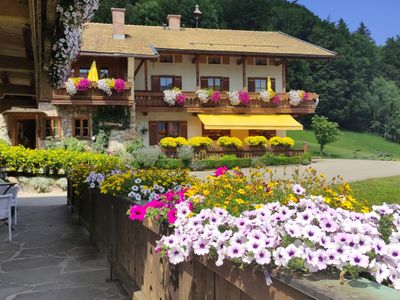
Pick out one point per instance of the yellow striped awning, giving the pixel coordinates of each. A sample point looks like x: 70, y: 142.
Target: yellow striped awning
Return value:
x: 248, y: 122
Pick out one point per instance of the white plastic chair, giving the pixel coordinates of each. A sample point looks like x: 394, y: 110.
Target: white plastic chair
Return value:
x: 14, y: 192
x: 5, y: 212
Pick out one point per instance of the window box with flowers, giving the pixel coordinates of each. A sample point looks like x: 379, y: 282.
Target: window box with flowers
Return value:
x: 82, y: 85
x: 256, y: 142
x: 170, y: 144
x: 200, y: 142
x: 174, y: 97
x: 237, y: 98
x: 229, y: 143
x: 208, y: 96
x: 281, y: 143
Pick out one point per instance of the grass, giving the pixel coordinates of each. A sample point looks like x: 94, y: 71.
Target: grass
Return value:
x: 350, y: 145
x: 378, y: 190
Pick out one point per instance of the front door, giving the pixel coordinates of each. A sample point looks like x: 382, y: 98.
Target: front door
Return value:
x: 26, y: 133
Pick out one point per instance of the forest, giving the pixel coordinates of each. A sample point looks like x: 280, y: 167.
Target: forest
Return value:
x: 359, y: 89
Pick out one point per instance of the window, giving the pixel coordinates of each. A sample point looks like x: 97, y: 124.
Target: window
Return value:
x: 81, y: 127
x: 166, y: 83
x: 166, y: 58
x: 103, y: 73
x: 267, y: 133
x: 215, y: 134
x: 261, y: 61
x: 83, y: 72
x: 52, y: 128
x: 214, y: 60
x: 256, y: 85
x: 214, y: 83
x: 162, y: 129
x: 260, y: 85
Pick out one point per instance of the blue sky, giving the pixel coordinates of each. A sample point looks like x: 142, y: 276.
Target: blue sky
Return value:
x: 381, y: 16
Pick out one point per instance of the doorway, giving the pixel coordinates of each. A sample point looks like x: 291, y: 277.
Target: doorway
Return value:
x: 26, y: 133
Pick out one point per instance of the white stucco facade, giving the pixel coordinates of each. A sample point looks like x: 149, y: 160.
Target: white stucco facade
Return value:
x: 187, y: 70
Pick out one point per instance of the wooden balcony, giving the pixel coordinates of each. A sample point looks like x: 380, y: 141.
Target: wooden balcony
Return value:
x: 154, y: 102
x: 93, y: 96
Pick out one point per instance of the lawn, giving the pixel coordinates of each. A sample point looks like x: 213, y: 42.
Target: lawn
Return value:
x: 350, y: 145
x: 378, y: 190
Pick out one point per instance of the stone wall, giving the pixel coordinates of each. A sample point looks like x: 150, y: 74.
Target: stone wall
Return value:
x: 4, y: 128
x: 68, y: 112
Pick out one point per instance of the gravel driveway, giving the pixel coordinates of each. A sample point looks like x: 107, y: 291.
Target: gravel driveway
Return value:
x: 350, y: 169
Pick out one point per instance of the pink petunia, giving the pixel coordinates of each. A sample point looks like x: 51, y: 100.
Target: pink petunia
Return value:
x: 220, y: 171
x: 119, y: 85
x: 171, y: 215
x: 215, y: 97
x: 244, y: 97
x: 137, y: 212
x: 83, y: 84
x: 276, y: 100
x: 180, y: 99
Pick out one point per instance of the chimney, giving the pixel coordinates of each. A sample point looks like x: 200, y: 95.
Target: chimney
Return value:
x: 174, y: 21
x: 118, y: 22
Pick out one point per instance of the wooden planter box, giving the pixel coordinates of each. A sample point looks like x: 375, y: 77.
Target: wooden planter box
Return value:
x: 146, y: 275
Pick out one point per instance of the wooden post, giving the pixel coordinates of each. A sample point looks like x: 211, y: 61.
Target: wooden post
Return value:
x: 146, y: 86
x: 197, y: 72
x: 305, y: 147
x: 284, y: 76
x: 244, y: 73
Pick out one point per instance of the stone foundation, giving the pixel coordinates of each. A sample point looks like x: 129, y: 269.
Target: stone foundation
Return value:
x: 4, y: 129
x: 118, y: 137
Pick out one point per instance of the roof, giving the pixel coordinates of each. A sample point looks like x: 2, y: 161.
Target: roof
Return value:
x: 146, y: 40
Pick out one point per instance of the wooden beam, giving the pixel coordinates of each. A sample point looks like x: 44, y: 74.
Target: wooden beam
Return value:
x: 244, y: 73
x: 284, y: 77
x: 18, y: 90
x: 146, y: 84
x: 197, y: 73
x: 195, y: 59
x: 13, y: 63
x: 138, y: 67
x: 28, y: 41
x: 4, y: 78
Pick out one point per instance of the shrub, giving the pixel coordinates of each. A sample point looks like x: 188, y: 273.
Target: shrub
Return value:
x: 62, y: 183
x: 216, y: 163
x: 41, y: 184
x: 100, y: 143
x: 325, y: 132
x: 270, y: 159
x: 256, y: 141
x: 147, y: 157
x: 200, y: 141
x: 281, y: 141
x: 169, y: 163
x: 72, y: 144
x: 135, y: 144
x: 227, y: 141
x: 186, y: 153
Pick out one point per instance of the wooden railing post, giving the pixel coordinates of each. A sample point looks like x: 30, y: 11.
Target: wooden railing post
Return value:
x: 305, y: 147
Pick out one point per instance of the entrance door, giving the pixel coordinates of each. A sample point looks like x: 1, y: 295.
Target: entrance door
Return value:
x: 26, y: 133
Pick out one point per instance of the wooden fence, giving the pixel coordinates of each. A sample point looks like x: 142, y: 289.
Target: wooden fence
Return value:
x: 129, y: 246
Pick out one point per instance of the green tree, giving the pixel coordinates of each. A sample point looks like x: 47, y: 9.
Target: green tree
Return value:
x: 325, y: 131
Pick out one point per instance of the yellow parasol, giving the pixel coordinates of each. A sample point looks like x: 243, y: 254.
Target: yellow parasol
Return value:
x: 269, y: 85
x: 93, y: 76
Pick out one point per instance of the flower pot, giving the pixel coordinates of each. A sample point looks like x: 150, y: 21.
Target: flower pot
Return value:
x: 257, y: 148
x: 281, y: 147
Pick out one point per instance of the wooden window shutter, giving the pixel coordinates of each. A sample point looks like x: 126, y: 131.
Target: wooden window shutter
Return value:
x: 183, y: 129
x: 155, y: 83
x: 251, y: 85
x: 178, y: 82
x: 202, y: 59
x: 250, y: 60
x: 204, y: 82
x: 152, y: 133
x: 225, y: 60
x: 225, y: 84
x: 178, y: 59
x: 273, y: 83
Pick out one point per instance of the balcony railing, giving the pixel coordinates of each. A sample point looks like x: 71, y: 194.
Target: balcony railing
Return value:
x: 93, y: 96
x: 154, y: 101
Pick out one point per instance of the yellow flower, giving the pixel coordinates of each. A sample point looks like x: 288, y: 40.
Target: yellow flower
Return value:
x: 239, y: 201
x: 242, y: 192
x: 206, y: 192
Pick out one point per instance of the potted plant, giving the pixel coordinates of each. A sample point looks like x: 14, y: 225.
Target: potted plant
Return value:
x: 229, y: 143
x: 200, y: 143
x: 168, y: 144
x: 256, y: 142
x: 281, y: 143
